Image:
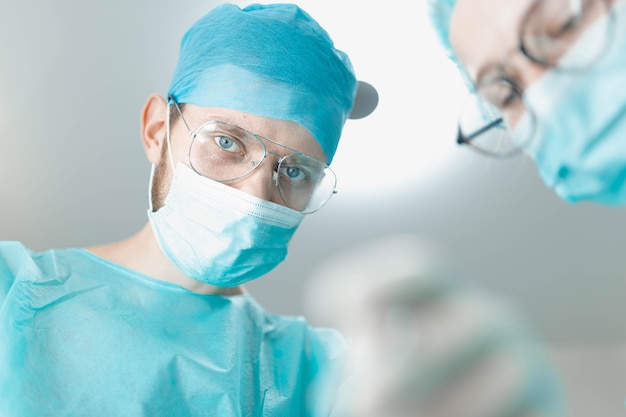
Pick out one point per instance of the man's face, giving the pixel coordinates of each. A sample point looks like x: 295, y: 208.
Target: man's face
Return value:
x: 260, y: 182
x: 487, y: 35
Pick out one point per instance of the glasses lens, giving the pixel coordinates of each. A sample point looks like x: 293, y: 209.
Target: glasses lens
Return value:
x: 305, y: 184
x: 486, y: 128
x: 552, y: 27
x: 223, y: 152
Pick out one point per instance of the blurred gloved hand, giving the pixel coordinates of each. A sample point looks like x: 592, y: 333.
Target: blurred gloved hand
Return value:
x: 424, y: 344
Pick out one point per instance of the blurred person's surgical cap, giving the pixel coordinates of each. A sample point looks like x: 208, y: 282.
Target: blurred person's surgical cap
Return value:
x: 440, y: 14
x: 270, y: 60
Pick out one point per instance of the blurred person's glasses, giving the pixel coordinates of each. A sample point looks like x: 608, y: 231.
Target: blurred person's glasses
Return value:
x: 548, y: 30
x: 225, y: 152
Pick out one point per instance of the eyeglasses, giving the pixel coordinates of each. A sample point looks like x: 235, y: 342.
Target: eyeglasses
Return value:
x: 547, y: 32
x: 225, y: 152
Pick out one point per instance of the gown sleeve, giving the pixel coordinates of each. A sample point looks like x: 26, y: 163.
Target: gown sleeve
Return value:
x: 12, y: 255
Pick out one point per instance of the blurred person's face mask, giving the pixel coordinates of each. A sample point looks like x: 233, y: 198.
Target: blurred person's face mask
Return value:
x: 579, y: 144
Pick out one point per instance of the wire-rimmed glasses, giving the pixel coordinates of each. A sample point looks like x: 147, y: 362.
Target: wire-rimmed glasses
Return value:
x: 225, y: 152
x: 548, y: 30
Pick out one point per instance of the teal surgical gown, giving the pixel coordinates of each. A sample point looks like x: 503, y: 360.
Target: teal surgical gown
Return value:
x: 81, y: 336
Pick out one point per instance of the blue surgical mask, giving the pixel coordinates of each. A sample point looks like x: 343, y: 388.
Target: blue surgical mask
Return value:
x: 580, y: 143
x: 219, y: 235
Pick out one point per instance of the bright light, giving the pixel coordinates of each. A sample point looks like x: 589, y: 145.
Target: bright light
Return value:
x: 411, y: 134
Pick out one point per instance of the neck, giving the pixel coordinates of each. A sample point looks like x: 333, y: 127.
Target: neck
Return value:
x: 141, y: 253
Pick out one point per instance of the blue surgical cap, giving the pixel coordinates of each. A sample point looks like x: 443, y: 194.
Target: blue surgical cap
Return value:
x: 270, y: 60
x: 440, y: 14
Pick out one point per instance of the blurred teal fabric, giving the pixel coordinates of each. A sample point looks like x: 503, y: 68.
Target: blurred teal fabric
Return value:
x: 80, y: 336
x: 440, y: 13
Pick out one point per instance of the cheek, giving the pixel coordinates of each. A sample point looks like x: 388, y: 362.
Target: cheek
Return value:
x: 180, y: 141
x: 179, y: 154
x: 161, y: 180
x: 513, y: 115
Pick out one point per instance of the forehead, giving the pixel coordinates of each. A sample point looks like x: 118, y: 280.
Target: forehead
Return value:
x: 285, y: 132
x: 482, y: 32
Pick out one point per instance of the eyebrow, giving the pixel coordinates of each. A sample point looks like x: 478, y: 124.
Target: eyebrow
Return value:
x: 207, y: 117
x: 498, y: 68
x: 230, y: 127
x: 227, y: 126
x: 499, y: 65
x: 486, y: 69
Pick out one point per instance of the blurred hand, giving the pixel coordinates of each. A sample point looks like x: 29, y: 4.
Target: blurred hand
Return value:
x: 425, y: 345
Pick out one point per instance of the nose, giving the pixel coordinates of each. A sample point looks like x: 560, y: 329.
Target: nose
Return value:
x: 527, y: 73
x: 261, y: 182
x: 527, y: 70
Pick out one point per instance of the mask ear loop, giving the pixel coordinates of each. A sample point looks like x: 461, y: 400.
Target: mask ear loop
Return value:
x: 169, y: 152
x: 152, y: 168
x: 167, y: 132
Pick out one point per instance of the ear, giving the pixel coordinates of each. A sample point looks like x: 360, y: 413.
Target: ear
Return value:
x: 153, y: 127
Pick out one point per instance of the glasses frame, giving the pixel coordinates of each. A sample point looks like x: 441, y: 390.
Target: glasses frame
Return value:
x: 275, y: 176
x: 463, y: 139
x: 468, y: 140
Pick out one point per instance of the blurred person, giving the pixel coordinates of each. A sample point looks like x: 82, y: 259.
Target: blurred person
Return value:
x: 159, y: 324
x: 425, y: 344
x: 545, y: 79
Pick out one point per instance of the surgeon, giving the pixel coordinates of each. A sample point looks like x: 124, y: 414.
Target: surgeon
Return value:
x: 159, y: 324
x: 546, y: 79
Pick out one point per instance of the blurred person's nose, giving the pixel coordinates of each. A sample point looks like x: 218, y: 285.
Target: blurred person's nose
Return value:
x: 526, y: 71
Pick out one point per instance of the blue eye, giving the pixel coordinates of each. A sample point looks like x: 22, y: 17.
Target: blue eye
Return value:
x: 293, y: 173
x: 226, y: 143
